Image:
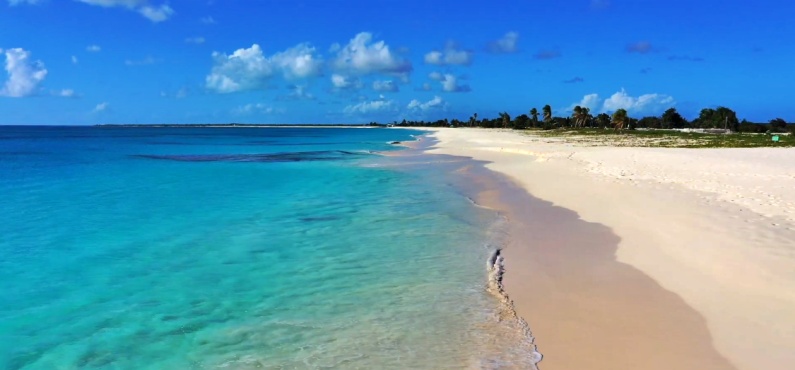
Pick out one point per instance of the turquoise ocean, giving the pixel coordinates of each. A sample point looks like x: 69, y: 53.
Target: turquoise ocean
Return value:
x: 243, y: 248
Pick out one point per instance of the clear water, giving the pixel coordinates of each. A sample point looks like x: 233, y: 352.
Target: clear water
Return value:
x: 176, y: 248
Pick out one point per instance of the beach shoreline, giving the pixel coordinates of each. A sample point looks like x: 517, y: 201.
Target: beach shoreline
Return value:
x: 616, y: 273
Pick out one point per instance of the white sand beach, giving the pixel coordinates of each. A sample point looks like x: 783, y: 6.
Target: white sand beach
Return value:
x: 702, y: 239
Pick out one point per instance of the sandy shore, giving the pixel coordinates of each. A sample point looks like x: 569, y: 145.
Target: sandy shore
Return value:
x: 640, y: 258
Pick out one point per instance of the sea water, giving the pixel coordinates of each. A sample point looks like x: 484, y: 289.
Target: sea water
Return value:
x: 238, y: 248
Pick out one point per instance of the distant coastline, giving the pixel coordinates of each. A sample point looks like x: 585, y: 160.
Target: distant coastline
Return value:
x: 237, y: 125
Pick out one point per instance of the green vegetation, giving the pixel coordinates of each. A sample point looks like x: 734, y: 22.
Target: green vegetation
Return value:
x: 665, y: 138
x: 717, y: 128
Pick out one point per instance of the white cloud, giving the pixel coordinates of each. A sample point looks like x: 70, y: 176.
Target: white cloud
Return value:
x: 93, y: 48
x: 143, y: 62
x: 198, y: 40
x: 363, y: 56
x: 248, y: 69
x: 590, y: 101
x: 18, y: 2
x: 647, y: 103
x: 101, y: 107
x: 74, y: 59
x: 437, y: 103
x: 426, y: 87
x: 300, y: 61
x: 67, y: 93
x: 181, y: 93
x: 436, y: 76
x: 245, y: 69
x: 390, y: 86
x: 299, y: 93
x: 505, y: 44
x: 644, y: 104
x: 450, y: 84
x: 155, y: 13
x: 207, y: 20
x: 375, y: 106
x: 24, y: 75
x: 257, y: 108
x: 341, y: 82
x: 450, y: 55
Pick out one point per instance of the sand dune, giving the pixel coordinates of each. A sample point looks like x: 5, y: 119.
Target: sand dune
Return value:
x: 713, y: 227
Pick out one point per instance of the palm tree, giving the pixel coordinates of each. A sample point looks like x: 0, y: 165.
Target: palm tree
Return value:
x: 506, y: 119
x: 586, y: 115
x: 577, y: 115
x: 619, y: 119
x: 603, y: 120
x: 476, y: 117
x: 534, y: 114
x: 547, y: 113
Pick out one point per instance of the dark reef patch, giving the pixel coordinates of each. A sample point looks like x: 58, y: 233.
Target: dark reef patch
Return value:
x: 325, y: 155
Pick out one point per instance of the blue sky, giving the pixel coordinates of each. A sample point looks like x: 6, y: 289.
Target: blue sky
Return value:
x: 280, y: 61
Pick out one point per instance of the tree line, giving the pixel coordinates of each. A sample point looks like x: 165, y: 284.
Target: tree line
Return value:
x: 581, y: 117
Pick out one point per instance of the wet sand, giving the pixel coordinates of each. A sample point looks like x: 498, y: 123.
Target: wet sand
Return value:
x: 585, y: 309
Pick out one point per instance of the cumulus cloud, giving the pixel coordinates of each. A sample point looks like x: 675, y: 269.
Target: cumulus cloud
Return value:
x: 547, y: 54
x: 505, y: 44
x: 300, y: 61
x: 245, y: 69
x: 248, y: 69
x: 437, y: 103
x: 450, y: 55
x: 364, y: 56
x: 74, y: 59
x: 368, y: 107
x: 389, y: 86
x: 24, y: 74
x: 450, y: 84
x: 643, y: 104
x: 198, y: 40
x: 641, y: 47
x: 155, y: 13
x: 93, y: 48
x: 591, y: 101
x: 341, y: 82
x: 101, y: 107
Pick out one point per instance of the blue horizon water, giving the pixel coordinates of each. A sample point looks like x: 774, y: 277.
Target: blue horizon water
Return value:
x: 164, y: 248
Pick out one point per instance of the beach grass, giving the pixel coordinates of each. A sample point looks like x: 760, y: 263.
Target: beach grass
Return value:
x: 663, y: 138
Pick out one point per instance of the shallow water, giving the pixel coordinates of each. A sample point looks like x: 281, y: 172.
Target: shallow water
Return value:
x: 166, y: 248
